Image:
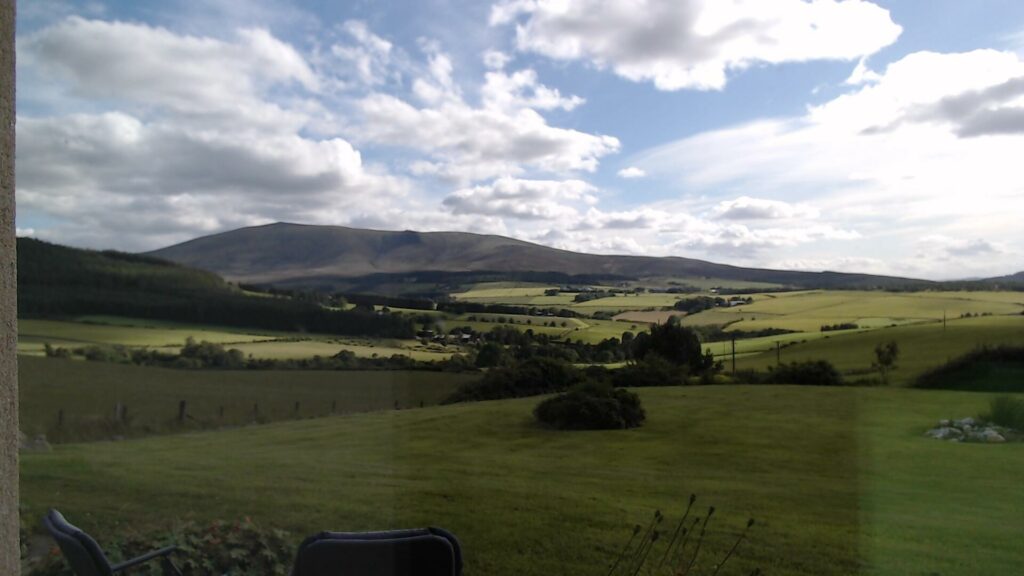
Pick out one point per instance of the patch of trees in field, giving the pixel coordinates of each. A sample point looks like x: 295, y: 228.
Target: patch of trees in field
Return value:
x: 839, y: 326
x: 667, y: 356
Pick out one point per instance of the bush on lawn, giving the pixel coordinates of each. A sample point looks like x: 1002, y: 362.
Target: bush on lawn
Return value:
x: 592, y: 406
x: 1006, y: 411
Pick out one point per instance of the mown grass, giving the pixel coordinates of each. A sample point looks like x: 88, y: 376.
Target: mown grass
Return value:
x: 841, y: 481
x: 87, y: 392
x: 283, y: 350
x: 32, y: 334
x: 922, y: 346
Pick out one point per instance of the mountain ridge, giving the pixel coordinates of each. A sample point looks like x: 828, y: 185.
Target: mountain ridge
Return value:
x: 286, y: 253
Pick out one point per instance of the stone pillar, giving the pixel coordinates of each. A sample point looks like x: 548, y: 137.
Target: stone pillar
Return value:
x: 9, y: 548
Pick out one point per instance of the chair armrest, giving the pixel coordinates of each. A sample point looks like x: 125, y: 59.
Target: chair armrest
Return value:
x: 161, y: 553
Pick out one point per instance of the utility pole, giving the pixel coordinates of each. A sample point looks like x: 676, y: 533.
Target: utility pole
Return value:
x: 733, y: 354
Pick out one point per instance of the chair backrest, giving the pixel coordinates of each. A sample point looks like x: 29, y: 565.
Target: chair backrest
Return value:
x: 417, y: 552
x: 83, y: 555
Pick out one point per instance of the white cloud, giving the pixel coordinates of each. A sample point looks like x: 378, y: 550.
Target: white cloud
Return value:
x: 862, y: 74
x: 857, y: 264
x: 955, y: 248
x: 747, y: 208
x: 523, y: 199
x: 181, y: 149
x: 896, y: 160
x: 370, y: 56
x: 520, y: 90
x: 118, y: 62
x: 631, y: 172
x: 505, y: 135
x: 695, y: 43
x: 496, y: 60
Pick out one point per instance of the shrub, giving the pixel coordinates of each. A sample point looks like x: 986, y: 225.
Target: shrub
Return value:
x: 592, y: 406
x: 238, y: 548
x: 1006, y: 411
x: 812, y: 372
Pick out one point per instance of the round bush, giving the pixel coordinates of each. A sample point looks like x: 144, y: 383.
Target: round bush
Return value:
x: 592, y: 407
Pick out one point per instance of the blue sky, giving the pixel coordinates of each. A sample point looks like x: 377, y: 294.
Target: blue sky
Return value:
x: 828, y: 134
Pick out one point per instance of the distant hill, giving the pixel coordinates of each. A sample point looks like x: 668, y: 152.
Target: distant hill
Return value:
x: 57, y: 281
x: 296, y: 255
x: 1017, y: 278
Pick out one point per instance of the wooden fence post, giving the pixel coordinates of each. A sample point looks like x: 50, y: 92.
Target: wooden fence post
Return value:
x: 182, y: 407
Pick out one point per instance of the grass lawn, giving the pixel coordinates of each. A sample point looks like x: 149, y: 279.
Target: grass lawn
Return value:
x: 841, y: 481
x: 88, y: 391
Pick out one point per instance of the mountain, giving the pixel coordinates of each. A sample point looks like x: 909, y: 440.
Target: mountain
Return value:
x: 297, y: 255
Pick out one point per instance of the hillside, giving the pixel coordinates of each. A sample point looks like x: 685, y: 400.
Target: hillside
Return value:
x: 294, y: 254
x: 57, y: 281
x: 1017, y: 278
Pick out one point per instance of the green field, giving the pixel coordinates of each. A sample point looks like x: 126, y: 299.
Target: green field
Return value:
x: 840, y: 480
x: 88, y: 391
x: 922, y: 346
x: 808, y: 311
x: 283, y: 350
x: 33, y: 335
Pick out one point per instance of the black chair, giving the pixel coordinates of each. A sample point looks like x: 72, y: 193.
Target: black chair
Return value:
x: 84, y: 556
x: 418, y: 552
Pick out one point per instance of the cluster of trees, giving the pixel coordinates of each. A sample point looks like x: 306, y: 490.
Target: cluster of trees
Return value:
x: 667, y: 356
x: 594, y: 295
x: 479, y: 308
x: 718, y: 332
x: 701, y: 303
x: 839, y: 326
x: 504, y: 344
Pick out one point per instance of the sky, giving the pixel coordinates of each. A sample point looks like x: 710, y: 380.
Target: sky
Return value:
x: 883, y: 137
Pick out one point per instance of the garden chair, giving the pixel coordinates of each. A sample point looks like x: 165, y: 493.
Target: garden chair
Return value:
x: 84, y: 556
x: 418, y: 552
